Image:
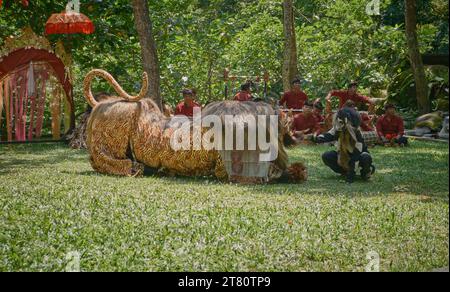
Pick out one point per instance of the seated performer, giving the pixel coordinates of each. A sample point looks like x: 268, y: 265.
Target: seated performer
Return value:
x: 306, y: 123
x: 368, y: 132
x: 350, y: 94
x: 245, y: 94
x: 351, y: 146
x: 390, y: 127
x: 366, y: 123
x: 294, y: 99
x: 321, y: 118
x: 318, y: 111
x: 186, y: 107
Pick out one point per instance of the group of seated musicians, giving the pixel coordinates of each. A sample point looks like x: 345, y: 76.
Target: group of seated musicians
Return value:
x: 389, y: 127
x: 310, y: 118
x: 186, y: 107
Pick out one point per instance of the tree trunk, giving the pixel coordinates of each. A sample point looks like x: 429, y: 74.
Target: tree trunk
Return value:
x: 148, y: 48
x: 415, y: 57
x: 290, y: 69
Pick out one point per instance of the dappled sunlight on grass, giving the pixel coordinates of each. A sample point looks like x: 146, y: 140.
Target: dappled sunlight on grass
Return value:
x: 53, y: 202
x: 386, y: 171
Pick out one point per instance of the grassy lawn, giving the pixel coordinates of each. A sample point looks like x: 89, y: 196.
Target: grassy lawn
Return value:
x: 52, y: 203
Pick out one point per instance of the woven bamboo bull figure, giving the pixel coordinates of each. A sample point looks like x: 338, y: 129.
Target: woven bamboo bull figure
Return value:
x: 130, y: 136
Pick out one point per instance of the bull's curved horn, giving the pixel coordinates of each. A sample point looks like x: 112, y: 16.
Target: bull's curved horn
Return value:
x: 108, y: 77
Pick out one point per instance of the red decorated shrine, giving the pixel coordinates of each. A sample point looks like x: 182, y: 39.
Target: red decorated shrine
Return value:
x: 36, y: 99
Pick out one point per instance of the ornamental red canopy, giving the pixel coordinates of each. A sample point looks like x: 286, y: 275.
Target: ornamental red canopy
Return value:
x: 69, y: 23
x: 24, y: 76
x: 24, y: 56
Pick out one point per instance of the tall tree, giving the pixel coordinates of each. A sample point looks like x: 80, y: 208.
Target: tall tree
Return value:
x: 415, y: 57
x: 290, y: 68
x: 149, y: 53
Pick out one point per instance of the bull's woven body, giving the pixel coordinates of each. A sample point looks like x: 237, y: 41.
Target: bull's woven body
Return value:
x: 121, y: 132
x: 123, y: 136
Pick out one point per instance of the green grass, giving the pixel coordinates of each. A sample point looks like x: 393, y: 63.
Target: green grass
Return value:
x: 52, y: 203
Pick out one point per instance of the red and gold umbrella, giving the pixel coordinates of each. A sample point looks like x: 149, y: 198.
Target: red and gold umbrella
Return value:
x: 69, y: 23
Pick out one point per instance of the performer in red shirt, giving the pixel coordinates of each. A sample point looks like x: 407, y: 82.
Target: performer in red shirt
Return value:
x: 306, y: 123
x: 350, y: 94
x: 390, y: 127
x: 186, y: 107
x: 318, y: 111
x: 366, y: 121
x: 245, y: 94
x: 294, y: 99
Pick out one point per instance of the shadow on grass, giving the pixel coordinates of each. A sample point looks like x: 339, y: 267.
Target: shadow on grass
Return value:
x: 421, y: 169
x: 35, y: 156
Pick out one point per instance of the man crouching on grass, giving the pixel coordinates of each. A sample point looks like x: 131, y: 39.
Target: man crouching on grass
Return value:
x: 351, y: 146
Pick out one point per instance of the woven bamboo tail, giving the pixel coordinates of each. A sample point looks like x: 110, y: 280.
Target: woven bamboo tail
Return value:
x: 108, y: 77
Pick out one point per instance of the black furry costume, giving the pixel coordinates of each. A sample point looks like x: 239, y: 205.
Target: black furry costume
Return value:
x: 351, y: 146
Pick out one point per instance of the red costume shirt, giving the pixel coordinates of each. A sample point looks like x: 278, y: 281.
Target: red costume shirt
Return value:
x: 294, y: 99
x: 303, y: 123
x: 319, y: 117
x: 344, y: 96
x: 243, y: 96
x: 365, y: 123
x: 390, y: 125
x: 185, y: 110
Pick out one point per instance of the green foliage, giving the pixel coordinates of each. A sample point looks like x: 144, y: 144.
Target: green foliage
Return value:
x: 198, y: 39
x: 402, y: 88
